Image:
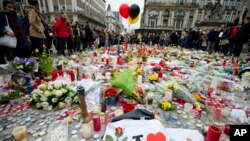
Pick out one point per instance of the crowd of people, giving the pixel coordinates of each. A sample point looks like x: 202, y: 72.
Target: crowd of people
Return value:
x: 68, y: 36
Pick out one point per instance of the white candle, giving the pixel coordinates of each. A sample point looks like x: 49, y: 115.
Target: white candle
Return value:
x: 168, y: 95
x: 87, y: 131
x: 139, y: 81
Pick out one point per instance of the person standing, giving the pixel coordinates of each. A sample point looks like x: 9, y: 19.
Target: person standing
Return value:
x: 162, y: 38
x: 36, y: 29
x: 62, y: 33
x: 71, y: 39
x: 243, y: 37
x: 78, y: 37
x: 88, y: 35
x: 9, y: 17
x: 212, y: 38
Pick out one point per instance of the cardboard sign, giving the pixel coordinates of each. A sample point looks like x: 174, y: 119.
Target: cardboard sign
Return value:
x: 136, y: 130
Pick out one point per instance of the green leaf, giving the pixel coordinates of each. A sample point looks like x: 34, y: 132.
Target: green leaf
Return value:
x: 125, y: 139
x: 109, y: 138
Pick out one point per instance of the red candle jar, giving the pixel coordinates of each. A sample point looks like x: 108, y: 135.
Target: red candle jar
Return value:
x: 54, y: 74
x: 107, y: 62
x: 60, y: 72
x: 213, y: 134
x: 227, y: 129
x: 72, y: 75
x: 97, y: 123
x: 160, y: 74
x: 128, y: 107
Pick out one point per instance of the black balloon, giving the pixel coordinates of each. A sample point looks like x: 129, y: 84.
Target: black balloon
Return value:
x: 134, y: 11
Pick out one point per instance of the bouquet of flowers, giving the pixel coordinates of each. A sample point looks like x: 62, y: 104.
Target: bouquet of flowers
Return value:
x: 10, y: 95
x: 24, y: 64
x: 52, y: 95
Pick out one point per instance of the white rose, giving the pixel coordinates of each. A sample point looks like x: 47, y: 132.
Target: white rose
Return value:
x: 58, y: 85
x: 44, y: 99
x: 40, y: 92
x: 47, y: 93
x: 50, y: 87
x: 53, y: 92
x: 49, y: 108
x: 64, y: 91
x: 76, y: 99
x: 35, y: 91
x: 38, y: 105
x: 54, y: 100
x: 67, y: 86
x: 61, y: 105
x: 71, y: 94
x: 42, y: 87
x: 58, y: 93
x: 34, y: 96
x: 45, y: 105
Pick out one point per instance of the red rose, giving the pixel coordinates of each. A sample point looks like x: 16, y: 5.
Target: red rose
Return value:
x: 118, y: 131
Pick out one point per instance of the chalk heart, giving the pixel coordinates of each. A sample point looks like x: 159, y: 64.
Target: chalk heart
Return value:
x: 156, y: 137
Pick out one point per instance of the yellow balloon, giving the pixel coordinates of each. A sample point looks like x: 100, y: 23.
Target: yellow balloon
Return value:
x: 133, y: 21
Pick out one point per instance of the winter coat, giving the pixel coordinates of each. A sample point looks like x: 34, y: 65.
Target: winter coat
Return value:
x: 34, y: 19
x: 61, y: 28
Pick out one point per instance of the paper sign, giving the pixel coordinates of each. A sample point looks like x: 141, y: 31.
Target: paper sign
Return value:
x: 220, y: 35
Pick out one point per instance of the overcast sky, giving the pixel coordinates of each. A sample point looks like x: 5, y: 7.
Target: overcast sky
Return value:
x: 115, y: 4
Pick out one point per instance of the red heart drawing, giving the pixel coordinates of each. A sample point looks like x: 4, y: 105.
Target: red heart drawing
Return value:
x: 158, y: 137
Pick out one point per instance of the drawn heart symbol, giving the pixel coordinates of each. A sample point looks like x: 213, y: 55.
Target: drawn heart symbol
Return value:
x: 156, y: 137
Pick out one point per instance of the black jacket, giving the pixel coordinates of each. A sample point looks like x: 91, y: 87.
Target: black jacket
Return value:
x: 243, y: 35
x: 3, y: 23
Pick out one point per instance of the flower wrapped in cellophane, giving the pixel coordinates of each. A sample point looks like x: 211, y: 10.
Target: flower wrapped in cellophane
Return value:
x: 52, y: 95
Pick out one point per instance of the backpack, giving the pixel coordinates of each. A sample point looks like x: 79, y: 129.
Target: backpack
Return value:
x: 234, y: 32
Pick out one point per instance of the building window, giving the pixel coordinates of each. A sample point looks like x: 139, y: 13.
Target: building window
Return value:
x: 191, y: 14
x: 227, y: 17
x: 152, y: 23
x: 234, y: 16
x: 181, y: 2
x: 179, y: 14
x: 190, y: 23
x: 178, y: 23
x: 199, y: 15
x: 165, y: 22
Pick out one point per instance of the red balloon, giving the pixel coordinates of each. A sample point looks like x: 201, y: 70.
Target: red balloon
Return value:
x: 124, y: 10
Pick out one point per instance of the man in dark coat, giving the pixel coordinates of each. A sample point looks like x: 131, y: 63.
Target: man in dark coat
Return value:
x: 243, y: 37
x: 88, y: 35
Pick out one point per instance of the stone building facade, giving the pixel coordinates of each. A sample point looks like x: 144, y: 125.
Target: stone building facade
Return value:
x: 78, y: 10
x: 180, y: 14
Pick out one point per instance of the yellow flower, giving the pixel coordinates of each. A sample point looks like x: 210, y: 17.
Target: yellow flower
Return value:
x: 139, y: 71
x: 36, y: 51
x: 197, y: 105
x: 166, y: 105
x: 153, y: 77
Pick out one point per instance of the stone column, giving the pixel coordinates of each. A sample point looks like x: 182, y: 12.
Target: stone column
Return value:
x: 159, y: 19
x: 186, y: 19
x: 74, y: 5
x: 171, y: 18
x: 51, y: 5
x: 146, y: 19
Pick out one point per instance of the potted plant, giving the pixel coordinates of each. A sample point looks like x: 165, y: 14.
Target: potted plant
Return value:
x: 45, y: 61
